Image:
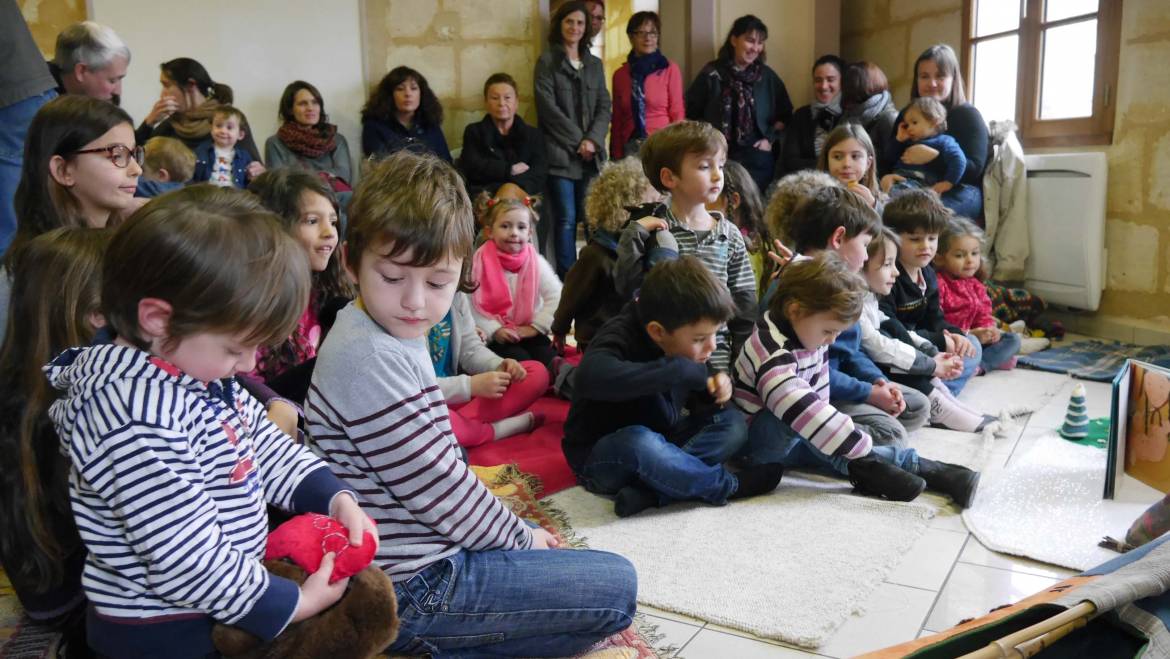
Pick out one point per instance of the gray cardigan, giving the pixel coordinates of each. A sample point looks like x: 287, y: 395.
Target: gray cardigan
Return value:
x: 337, y: 162
x: 571, y: 105
x: 470, y: 355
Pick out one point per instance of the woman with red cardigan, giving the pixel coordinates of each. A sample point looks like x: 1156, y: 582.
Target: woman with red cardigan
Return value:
x: 647, y: 89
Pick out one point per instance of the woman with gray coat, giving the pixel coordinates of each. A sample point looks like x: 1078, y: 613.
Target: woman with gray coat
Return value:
x: 573, y: 109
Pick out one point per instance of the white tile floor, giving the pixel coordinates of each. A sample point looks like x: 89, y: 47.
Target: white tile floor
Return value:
x: 946, y: 577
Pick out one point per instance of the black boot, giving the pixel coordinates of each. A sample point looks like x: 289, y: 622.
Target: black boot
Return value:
x: 757, y: 479
x: 874, y: 477
x: 955, y: 481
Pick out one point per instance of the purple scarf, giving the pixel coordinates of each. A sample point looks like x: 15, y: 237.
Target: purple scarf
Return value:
x: 738, y: 122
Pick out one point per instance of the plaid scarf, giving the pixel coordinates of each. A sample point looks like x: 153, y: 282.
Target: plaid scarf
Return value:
x: 308, y: 141
x: 738, y: 122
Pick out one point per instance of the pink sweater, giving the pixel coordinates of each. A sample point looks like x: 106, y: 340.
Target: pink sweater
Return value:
x: 664, y: 104
x: 964, y: 302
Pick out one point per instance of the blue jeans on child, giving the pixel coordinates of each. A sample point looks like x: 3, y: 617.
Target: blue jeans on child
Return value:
x: 689, y: 467
x: 770, y: 440
x: 970, y: 365
x: 568, y: 202
x: 998, y: 353
x: 963, y: 199
x: 14, y: 121
x: 536, y: 603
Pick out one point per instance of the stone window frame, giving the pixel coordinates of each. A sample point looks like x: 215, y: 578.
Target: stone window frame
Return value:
x: 1035, y: 132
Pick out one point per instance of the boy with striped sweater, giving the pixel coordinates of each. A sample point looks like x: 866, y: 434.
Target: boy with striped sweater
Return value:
x: 782, y: 378
x: 686, y: 160
x: 470, y: 576
x: 172, y: 462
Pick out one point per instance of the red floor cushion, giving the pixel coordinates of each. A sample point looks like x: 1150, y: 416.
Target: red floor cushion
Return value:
x: 538, y: 453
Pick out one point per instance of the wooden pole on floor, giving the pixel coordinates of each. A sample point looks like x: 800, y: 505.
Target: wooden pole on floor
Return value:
x: 1030, y: 641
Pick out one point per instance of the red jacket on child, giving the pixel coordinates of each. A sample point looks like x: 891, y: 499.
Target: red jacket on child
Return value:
x: 964, y: 302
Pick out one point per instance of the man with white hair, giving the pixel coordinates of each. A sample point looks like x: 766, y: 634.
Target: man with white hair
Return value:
x: 91, y: 59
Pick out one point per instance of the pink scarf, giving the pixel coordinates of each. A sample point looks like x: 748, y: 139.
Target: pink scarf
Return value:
x: 493, y: 298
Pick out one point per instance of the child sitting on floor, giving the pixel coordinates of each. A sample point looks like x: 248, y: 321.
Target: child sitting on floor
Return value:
x: 923, y: 122
x: 589, y: 298
x: 963, y: 297
x: 467, y: 572
x: 55, y: 294
x: 834, y: 219
x: 308, y: 210
x: 742, y: 204
x: 782, y: 378
x: 648, y: 423
x: 486, y: 394
x: 172, y: 462
x: 221, y: 159
x: 686, y: 159
x: 167, y: 165
x: 849, y: 157
x: 906, y: 357
x: 919, y: 217
x: 518, y: 290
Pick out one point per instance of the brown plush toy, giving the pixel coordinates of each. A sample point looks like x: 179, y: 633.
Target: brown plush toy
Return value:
x: 361, y: 625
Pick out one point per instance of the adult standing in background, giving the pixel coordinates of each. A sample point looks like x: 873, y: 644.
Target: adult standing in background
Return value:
x: 865, y: 95
x: 647, y: 89
x: 596, y: 9
x: 805, y: 134
x: 502, y: 147
x: 187, y: 104
x: 91, y: 60
x: 307, y: 140
x: 742, y: 96
x: 25, y: 86
x: 403, y: 113
x: 937, y: 75
x: 573, y: 109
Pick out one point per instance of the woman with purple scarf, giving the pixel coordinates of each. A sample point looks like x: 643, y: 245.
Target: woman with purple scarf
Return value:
x: 741, y: 96
x: 647, y: 89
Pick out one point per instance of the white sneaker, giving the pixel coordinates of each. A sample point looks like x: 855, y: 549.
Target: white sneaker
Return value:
x: 1031, y: 344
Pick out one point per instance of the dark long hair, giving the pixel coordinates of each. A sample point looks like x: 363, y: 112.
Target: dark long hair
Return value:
x: 55, y: 289
x: 60, y: 128
x: 556, y: 38
x: 381, y: 105
x: 288, y: 98
x: 184, y: 70
x: 741, y: 26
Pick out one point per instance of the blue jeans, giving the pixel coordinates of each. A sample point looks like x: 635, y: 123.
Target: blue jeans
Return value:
x: 963, y: 199
x: 970, y: 365
x: 14, y: 121
x: 998, y: 353
x: 535, y: 603
x: 689, y: 467
x: 770, y: 440
x: 568, y: 202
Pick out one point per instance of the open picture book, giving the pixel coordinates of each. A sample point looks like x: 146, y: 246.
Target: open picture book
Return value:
x: 1139, y: 434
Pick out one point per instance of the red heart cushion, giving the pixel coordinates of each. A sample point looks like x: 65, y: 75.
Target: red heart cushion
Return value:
x: 305, y: 539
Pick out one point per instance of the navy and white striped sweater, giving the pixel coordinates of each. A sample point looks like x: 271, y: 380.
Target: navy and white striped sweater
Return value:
x: 168, y: 486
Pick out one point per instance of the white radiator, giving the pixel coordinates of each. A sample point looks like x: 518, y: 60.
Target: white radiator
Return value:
x: 1066, y: 227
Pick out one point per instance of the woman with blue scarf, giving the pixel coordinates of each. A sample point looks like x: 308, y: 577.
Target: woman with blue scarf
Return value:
x: 647, y: 89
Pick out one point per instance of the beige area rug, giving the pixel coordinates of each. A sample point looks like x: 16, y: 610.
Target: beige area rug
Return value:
x: 795, y: 564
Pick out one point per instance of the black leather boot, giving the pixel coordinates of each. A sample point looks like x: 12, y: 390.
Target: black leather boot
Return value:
x: 955, y: 481
x: 875, y: 477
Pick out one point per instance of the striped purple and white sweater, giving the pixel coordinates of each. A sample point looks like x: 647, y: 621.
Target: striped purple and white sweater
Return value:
x: 776, y: 373
x: 376, y: 414
x: 168, y: 486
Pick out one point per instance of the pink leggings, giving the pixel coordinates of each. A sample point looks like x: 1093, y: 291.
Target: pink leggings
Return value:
x: 472, y: 420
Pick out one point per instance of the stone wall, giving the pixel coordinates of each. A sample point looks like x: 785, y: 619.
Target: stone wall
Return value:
x: 456, y: 44
x: 893, y: 32
x: 46, y: 18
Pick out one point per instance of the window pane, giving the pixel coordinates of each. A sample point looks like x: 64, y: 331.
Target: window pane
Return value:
x: 1066, y: 84
x: 995, y: 77
x: 1054, y: 10
x: 994, y: 16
